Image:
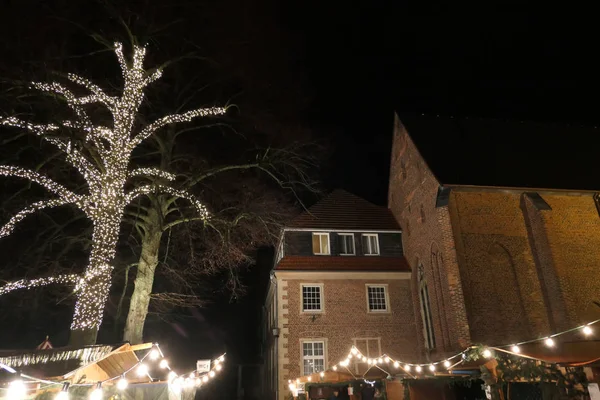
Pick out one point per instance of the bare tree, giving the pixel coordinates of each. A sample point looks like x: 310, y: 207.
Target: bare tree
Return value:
x: 102, y: 155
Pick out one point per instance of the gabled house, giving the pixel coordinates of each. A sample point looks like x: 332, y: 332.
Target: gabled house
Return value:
x: 339, y: 279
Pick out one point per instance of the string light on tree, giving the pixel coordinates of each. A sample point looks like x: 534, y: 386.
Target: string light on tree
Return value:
x: 107, y: 176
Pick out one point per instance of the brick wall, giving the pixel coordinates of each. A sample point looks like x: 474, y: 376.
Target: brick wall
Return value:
x: 344, y: 319
x: 427, y: 240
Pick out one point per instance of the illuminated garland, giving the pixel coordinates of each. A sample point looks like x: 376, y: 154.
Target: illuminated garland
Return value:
x: 17, y: 389
x: 107, y: 198
x: 384, y: 361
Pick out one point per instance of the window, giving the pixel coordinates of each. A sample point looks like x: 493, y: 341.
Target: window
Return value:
x: 377, y: 298
x: 320, y: 243
x: 311, y: 298
x: 370, y: 244
x: 428, y: 332
x: 346, y: 243
x: 370, y: 348
x: 313, y: 357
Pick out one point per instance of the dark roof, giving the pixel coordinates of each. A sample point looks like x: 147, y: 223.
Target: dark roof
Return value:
x: 343, y: 210
x: 343, y: 263
x: 495, y: 152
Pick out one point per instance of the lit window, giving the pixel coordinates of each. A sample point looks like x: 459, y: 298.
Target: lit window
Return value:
x: 377, y: 298
x: 346, y: 243
x: 313, y: 357
x: 311, y: 298
x: 320, y: 243
x: 370, y: 244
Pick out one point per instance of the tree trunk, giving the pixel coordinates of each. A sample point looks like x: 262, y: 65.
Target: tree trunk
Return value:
x: 140, y: 298
x: 93, y: 288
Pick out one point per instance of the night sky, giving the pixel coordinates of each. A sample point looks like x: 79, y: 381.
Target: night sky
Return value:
x: 341, y: 71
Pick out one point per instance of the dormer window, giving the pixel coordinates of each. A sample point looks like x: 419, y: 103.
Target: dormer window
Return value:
x: 320, y: 243
x: 346, y: 244
x: 370, y: 244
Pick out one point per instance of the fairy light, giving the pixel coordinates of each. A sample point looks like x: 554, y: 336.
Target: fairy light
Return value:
x: 218, y: 367
x: 386, y: 359
x: 322, y: 374
x: 205, y: 378
x: 164, y: 364
x: 154, y: 354
x: 211, y: 374
x: 515, y: 349
x: 142, y: 370
x: 334, y: 367
x: 418, y: 368
x: 97, y: 392
x: 447, y: 364
x: 106, y: 197
x: 587, y: 331
x: 16, y: 389
x: 487, y: 353
x: 171, y: 377
x: 396, y: 364
x: 432, y: 368
x: 122, y: 384
x: 407, y: 368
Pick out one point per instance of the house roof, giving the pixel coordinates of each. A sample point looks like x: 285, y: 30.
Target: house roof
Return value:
x: 507, y: 153
x: 343, y: 210
x: 343, y: 263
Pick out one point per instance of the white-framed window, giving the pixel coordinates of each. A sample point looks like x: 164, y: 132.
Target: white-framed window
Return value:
x: 320, y: 243
x: 370, y: 347
x: 312, y: 297
x: 370, y: 244
x: 313, y: 356
x: 377, y: 298
x: 346, y: 244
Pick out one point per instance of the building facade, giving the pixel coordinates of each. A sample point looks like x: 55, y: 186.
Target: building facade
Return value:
x: 340, y: 280
x: 501, y: 264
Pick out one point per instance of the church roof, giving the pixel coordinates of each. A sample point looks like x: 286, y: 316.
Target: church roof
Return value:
x: 343, y: 210
x: 507, y: 153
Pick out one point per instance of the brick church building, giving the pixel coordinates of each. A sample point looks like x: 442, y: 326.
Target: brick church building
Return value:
x: 442, y: 267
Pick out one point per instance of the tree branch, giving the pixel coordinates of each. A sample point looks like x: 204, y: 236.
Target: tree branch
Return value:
x: 148, y: 189
x: 56, y: 188
x: 69, y: 279
x: 10, y: 225
x: 145, y: 172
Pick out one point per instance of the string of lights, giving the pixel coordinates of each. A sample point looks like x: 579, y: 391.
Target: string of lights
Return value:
x: 106, y: 174
x: 17, y: 388
x: 384, y: 361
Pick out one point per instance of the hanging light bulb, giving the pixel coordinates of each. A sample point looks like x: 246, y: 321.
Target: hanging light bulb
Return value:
x: 164, y: 364
x: 16, y: 389
x: 354, y: 350
x: 447, y: 364
x: 154, y: 354
x: 549, y: 342
x: 176, y: 386
x: 142, y: 370
x: 587, y: 330
x: 364, y: 358
x: 334, y: 368
x: 487, y: 353
x: 432, y: 367
x: 122, y: 383
x: 218, y: 367
x: 172, y: 376
x: 211, y: 374
x: 387, y: 359
x: 322, y: 374
x: 396, y: 364
x: 515, y: 349
x: 418, y: 368
x: 97, y: 392
x: 407, y: 367
x: 310, y: 378
x: 64, y: 392
x: 380, y: 361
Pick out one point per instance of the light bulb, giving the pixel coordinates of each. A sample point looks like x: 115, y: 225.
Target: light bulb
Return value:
x: 211, y: 373
x: 142, y: 370
x: 322, y: 374
x: 432, y: 367
x: 62, y: 395
x: 122, y: 384
x: 587, y: 331
x: 96, y: 394
x: 487, y: 353
x: 310, y: 378
x: 16, y: 389
x: 164, y: 364
x: 549, y: 342
x: 418, y: 368
x: 516, y: 349
x: 380, y: 361
x: 387, y: 359
x: 396, y: 364
x: 407, y: 367
x: 447, y: 364
x: 364, y: 358
x: 192, y: 375
x: 218, y: 367
x: 334, y: 367
x: 172, y: 376
x: 154, y: 354
x: 205, y: 378
x: 354, y: 350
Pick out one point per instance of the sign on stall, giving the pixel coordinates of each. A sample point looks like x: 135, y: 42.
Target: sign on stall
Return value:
x: 202, y: 366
